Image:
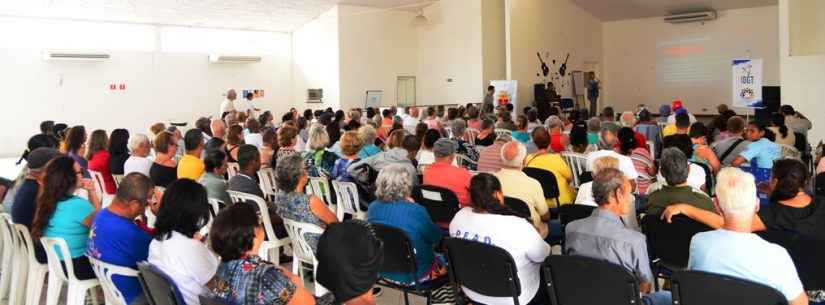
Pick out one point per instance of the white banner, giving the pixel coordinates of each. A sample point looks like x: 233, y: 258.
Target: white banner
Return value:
x: 747, y: 83
x: 506, y: 93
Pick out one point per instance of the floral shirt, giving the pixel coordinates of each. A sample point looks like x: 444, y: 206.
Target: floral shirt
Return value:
x: 251, y: 281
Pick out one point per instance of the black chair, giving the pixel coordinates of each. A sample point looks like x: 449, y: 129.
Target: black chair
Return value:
x: 571, y: 280
x: 668, y: 244
x: 548, y: 182
x: 709, y: 178
x: 518, y: 206
x: 158, y: 287
x: 207, y: 300
x: 399, y: 257
x: 819, y: 185
x: 569, y: 213
x: 697, y: 287
x: 585, y: 177
x: 490, y: 270
x: 806, y: 252
x: 441, y: 203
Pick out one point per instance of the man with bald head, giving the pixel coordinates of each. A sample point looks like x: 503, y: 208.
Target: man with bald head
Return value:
x: 228, y: 104
x: 516, y: 184
x: 218, y: 128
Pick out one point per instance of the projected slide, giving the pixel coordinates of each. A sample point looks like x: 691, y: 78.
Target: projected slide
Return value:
x: 688, y: 63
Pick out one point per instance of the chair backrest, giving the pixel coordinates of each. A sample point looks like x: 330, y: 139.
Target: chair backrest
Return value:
x: 118, y: 179
x: 26, y: 244
x: 490, y: 270
x: 263, y: 210
x: 348, y: 202
x: 297, y: 233
x: 502, y: 131
x: 441, y: 203
x: 320, y: 187
x: 399, y: 256
x: 464, y: 161
x: 232, y: 169
x: 790, y: 152
x: 577, y: 163
x: 801, y: 143
x: 710, y: 179
x: 819, y: 184
x: 697, y: 287
x: 100, y: 184
x: 216, y: 206
x: 570, y: 280
x: 104, y: 273
x: 158, y: 287
x: 670, y: 242
x: 806, y: 252
x: 547, y: 179
x: 472, y: 133
x: 518, y: 206
x: 53, y: 246
x: 266, y: 176
x: 571, y: 212
x: 207, y: 300
x: 448, y: 132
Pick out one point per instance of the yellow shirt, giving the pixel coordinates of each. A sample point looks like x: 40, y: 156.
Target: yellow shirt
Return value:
x: 191, y: 167
x: 669, y: 130
x: 555, y: 163
x: 516, y: 184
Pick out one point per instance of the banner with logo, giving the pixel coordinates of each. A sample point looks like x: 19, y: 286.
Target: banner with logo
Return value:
x: 506, y: 92
x: 747, y: 83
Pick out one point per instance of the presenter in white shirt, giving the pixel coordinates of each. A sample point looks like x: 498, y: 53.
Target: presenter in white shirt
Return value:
x: 245, y: 105
x: 228, y: 104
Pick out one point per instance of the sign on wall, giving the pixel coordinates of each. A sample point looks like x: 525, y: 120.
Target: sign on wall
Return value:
x: 506, y: 92
x: 747, y: 83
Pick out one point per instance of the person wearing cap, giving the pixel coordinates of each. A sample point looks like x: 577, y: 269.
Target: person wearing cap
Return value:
x: 516, y: 184
x: 443, y: 173
x: 22, y: 211
x: 675, y: 107
x: 681, y: 125
x: 349, y: 256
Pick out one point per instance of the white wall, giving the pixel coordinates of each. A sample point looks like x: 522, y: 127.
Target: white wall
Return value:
x: 450, y: 46
x: 555, y: 26
x: 159, y: 87
x: 376, y: 46
x: 802, y: 77
x: 807, y: 27
x: 315, y: 59
x: 494, y: 41
x: 649, y: 61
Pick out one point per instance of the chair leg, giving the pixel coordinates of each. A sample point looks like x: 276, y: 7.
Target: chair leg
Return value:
x: 34, y: 286
x: 53, y: 292
x: 407, y: 299
x: 74, y: 296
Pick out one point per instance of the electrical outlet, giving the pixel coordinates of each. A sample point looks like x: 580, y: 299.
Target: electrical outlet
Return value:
x: 450, y: 80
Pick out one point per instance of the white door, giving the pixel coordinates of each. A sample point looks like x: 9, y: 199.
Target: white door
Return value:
x: 405, y: 92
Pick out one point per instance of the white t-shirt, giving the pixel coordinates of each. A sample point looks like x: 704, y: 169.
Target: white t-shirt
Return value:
x: 696, y: 177
x: 585, y: 197
x: 244, y: 105
x: 137, y: 164
x: 226, y: 106
x: 409, y: 123
x: 625, y: 163
x: 672, y: 119
x: 254, y: 139
x: 516, y: 236
x: 188, y: 262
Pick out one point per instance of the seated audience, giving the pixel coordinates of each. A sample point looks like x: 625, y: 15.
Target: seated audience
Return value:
x: 489, y: 158
x: 521, y: 134
x: 268, y: 148
x: 425, y: 155
x: 178, y: 248
x: 432, y: 120
x: 118, y: 151
x: 734, y: 250
x: 487, y: 134
x: 585, y: 193
x: 349, y: 256
x: 783, y: 134
x: 594, y: 127
x: 25, y: 199
x: 317, y: 159
x: 505, y: 121
x: 246, y: 181
x: 99, y: 157
x: 675, y: 169
x: 558, y: 141
x: 412, y: 145
x: 253, y: 137
x: 139, y: 160
x: 578, y: 140
x: 215, y: 166
x: 117, y: 240
x: 164, y: 170
x: 287, y: 141
x: 410, y: 119
x: 728, y: 149
x: 795, y: 120
x: 443, y: 173
x: 462, y: 138
x: 677, y: 107
x: 368, y: 135
x: 696, y: 175
x: 75, y: 147
x: 551, y: 161
x: 61, y: 214
x: 643, y: 162
x: 761, y: 152
x: 473, y: 120
x: 604, y: 236
x: 234, y: 139
x: 608, y: 141
x: 292, y: 203
x: 489, y: 221
x: 517, y: 184
x: 191, y: 166
x: 681, y: 126
x: 395, y: 208
x: 351, y: 144
x: 218, y: 128
x: 702, y: 153
x: 394, y: 155
x: 242, y: 276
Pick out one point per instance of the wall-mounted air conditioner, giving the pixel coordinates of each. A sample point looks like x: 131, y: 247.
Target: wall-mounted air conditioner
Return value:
x: 691, y: 17
x: 50, y: 55
x: 233, y: 59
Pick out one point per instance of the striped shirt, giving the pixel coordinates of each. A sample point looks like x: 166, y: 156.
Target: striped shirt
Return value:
x: 642, y: 161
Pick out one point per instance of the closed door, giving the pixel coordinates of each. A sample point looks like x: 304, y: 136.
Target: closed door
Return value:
x: 405, y: 93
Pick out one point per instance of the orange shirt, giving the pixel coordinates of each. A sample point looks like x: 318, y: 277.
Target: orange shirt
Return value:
x: 456, y: 179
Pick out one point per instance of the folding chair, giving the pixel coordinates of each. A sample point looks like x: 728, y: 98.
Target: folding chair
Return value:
x: 569, y: 213
x: 570, y: 280
x: 158, y: 287
x: 441, y: 203
x: 548, y: 182
x: 704, y: 288
x: 668, y: 244
x: 518, y: 206
x: 490, y: 270
x: 806, y: 252
x: 578, y: 163
x: 399, y: 257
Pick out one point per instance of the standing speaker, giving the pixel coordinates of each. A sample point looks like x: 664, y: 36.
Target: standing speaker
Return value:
x: 772, y: 99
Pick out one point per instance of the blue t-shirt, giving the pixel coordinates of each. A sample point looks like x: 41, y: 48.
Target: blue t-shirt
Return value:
x: 118, y: 241
x: 368, y: 150
x: 67, y: 223
x: 25, y: 202
x: 521, y: 136
x: 764, y: 151
x: 746, y: 256
x: 413, y: 220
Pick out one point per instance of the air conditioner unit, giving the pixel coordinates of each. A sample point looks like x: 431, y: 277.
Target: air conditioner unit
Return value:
x: 75, y: 56
x: 233, y: 59
x: 691, y: 17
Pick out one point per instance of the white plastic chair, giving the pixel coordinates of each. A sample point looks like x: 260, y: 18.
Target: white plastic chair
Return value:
x: 472, y: 134
x: 232, y: 169
x: 20, y: 267
x: 347, y: 194
x: 215, y: 204
x: 267, y: 182
x: 272, y: 242
x: 100, y: 188
x: 151, y: 218
x: 790, y: 152
x: 302, y: 251
x: 577, y: 163
x: 502, y: 131
x: 652, y: 146
x: 448, y: 132
x: 36, y: 270
x: 104, y: 273
x: 8, y: 254
x: 464, y: 161
x: 320, y: 187
x: 118, y: 179
x: 77, y: 289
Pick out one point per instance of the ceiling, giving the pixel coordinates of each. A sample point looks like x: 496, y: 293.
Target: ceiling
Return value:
x: 268, y: 15
x: 611, y: 10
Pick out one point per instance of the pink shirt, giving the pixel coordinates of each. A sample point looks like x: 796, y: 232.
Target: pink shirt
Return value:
x: 450, y: 177
x: 489, y: 159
